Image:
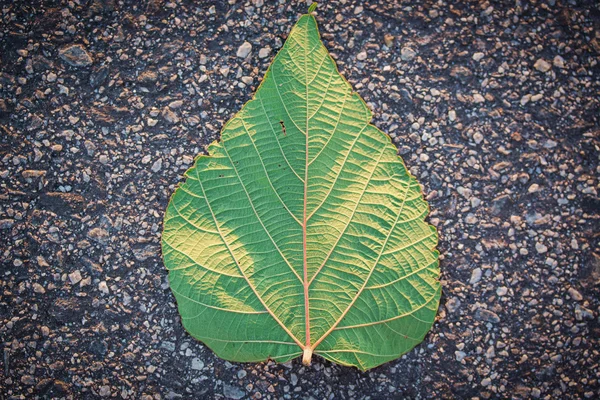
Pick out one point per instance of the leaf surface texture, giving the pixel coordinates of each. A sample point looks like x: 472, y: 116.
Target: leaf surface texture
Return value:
x: 302, y: 231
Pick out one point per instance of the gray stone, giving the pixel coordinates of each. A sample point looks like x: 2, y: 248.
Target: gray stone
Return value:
x: 169, y: 346
x: 233, y: 392
x: 407, y: 54
x: 197, y: 364
x: 475, y: 276
x: 486, y: 315
x: 75, y: 55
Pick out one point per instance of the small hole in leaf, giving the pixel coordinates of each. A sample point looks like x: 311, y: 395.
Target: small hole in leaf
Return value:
x: 283, y: 127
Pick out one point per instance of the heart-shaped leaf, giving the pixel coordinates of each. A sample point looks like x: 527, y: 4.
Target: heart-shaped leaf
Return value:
x: 303, y: 232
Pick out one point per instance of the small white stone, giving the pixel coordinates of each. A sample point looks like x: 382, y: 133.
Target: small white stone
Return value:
x: 244, y: 50
x: 103, y: 287
x: 542, y: 65
x: 424, y: 157
x: 452, y: 115
x: 478, y: 137
x: 501, y: 291
x: 541, y: 248
x: 475, y: 276
x: 536, y: 97
x: 197, y: 364
x: 157, y: 165
x: 264, y: 52
x: 478, y: 56
x: 38, y: 288
x: 471, y: 219
x: 361, y: 56
x: 75, y: 277
x: 407, y: 54
x: 104, y: 391
x: 533, y: 188
x: 558, y: 62
x: 477, y: 98
x: 51, y: 77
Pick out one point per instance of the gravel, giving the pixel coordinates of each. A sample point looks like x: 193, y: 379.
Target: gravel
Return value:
x: 104, y: 104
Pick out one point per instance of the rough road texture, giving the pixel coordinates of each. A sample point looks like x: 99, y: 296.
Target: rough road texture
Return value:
x: 103, y: 105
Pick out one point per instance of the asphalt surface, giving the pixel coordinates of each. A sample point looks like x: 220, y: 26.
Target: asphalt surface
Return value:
x: 494, y: 106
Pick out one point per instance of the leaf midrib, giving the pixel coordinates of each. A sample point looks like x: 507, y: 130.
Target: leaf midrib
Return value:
x: 307, y: 348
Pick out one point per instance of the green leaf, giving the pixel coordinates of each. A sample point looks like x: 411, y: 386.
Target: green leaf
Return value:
x: 303, y: 232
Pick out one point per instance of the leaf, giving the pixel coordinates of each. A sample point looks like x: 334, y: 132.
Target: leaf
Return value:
x: 303, y: 232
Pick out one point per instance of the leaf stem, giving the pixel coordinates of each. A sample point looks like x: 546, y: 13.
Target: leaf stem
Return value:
x: 307, y: 355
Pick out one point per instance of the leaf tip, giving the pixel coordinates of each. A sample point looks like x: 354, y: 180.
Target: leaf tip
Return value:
x: 312, y: 7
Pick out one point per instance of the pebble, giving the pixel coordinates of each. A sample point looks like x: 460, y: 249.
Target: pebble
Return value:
x: 197, y: 364
x: 558, y: 62
x: 487, y: 315
x: 541, y: 248
x: 104, y: 391
x: 542, y: 65
x: 37, y: 288
x: 233, y: 392
x: 103, y: 287
x: 407, y: 54
x: 99, y: 235
x: 75, y: 55
x: 453, y: 304
x: 477, y: 98
x: 31, y: 174
x: 244, y: 50
x: 475, y: 276
x: 575, y: 295
x: 452, y: 115
x: 157, y: 165
x: 536, y: 97
x: 478, y: 56
x: 388, y: 39
x: 264, y: 52
x: 170, y: 116
x: 361, y: 56
x: 75, y: 277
